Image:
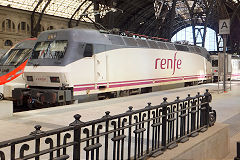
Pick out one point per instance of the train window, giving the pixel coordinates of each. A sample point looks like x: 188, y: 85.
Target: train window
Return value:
x: 152, y: 44
x: 142, y: 43
x: 162, y: 45
x: 130, y: 41
x: 51, y: 50
x: 88, y: 52
x: 215, y: 63
x: 181, y: 47
x: 15, y: 56
x: 170, y: 46
x: 116, y: 40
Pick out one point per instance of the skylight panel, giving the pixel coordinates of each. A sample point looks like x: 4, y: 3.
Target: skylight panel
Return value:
x: 61, y: 8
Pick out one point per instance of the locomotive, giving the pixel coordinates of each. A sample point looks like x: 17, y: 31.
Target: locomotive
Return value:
x: 70, y: 65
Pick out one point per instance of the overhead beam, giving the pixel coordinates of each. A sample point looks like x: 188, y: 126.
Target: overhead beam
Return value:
x: 171, y: 20
x: 81, y: 16
x: 37, y: 26
x: 70, y: 21
x: 208, y: 11
x: 33, y: 17
x: 191, y: 13
x: 96, y: 9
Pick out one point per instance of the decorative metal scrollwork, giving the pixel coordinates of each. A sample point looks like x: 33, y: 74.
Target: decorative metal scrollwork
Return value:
x: 212, y: 118
x: 2, y: 155
x: 24, y: 147
x: 50, y: 142
x: 66, y: 136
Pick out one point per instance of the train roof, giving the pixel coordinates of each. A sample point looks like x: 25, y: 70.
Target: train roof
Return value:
x: 77, y: 35
x: 96, y: 37
x: 26, y: 44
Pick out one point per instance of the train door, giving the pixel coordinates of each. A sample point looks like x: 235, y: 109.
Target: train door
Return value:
x: 214, y: 59
x: 100, y: 62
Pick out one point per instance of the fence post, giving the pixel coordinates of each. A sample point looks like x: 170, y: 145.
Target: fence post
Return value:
x: 238, y: 151
x: 208, y: 98
x: 164, y: 122
x: 107, y: 116
x: 36, y: 134
x: 77, y: 124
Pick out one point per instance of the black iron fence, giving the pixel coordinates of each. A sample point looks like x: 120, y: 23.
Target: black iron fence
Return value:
x: 238, y: 151
x: 136, y: 134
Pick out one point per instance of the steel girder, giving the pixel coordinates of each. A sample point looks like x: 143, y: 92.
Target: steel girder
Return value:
x: 77, y: 10
x: 33, y: 18
x: 36, y: 29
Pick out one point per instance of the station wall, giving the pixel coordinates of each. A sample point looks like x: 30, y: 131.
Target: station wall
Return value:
x: 15, y: 25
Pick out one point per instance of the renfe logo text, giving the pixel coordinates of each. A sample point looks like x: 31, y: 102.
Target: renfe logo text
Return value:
x: 163, y: 63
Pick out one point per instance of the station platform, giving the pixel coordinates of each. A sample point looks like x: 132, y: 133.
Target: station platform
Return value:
x: 227, y: 106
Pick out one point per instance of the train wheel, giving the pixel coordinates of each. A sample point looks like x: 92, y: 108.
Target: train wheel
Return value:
x: 28, y: 102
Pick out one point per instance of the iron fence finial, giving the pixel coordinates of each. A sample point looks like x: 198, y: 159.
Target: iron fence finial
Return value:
x: 149, y: 105
x: 107, y: 114
x: 77, y: 121
x: 37, y: 130
x: 188, y: 97
x: 130, y: 109
x: 178, y: 99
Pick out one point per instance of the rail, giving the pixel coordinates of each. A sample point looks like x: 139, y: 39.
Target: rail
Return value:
x: 135, y: 134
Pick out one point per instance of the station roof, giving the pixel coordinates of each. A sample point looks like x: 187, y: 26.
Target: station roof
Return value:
x: 61, y: 8
x: 149, y: 17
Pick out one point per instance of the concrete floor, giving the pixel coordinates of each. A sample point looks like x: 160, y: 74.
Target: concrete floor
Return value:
x: 227, y: 106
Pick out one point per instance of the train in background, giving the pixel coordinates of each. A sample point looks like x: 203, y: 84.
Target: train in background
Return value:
x: 77, y: 64
x: 12, y: 65
x: 233, y: 65
x: 235, y: 68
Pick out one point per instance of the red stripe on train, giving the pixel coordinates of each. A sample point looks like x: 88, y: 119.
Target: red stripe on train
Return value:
x: 13, y: 74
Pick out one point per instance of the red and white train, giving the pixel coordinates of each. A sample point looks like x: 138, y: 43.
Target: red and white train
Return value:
x: 80, y: 64
x: 12, y: 65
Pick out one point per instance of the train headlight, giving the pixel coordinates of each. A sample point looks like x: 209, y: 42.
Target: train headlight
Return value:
x: 55, y: 79
x: 29, y: 78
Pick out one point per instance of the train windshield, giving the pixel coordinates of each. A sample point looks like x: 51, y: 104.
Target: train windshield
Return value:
x: 51, y: 50
x: 15, y: 57
x: 215, y: 63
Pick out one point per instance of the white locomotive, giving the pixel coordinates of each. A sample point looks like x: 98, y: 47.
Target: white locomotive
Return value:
x: 75, y: 64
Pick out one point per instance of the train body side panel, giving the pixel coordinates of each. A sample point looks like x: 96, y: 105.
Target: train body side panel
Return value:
x: 235, y: 69
x: 131, y: 68
x: 121, y: 69
x: 142, y: 64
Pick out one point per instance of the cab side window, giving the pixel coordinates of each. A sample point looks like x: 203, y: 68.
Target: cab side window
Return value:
x: 88, y: 51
